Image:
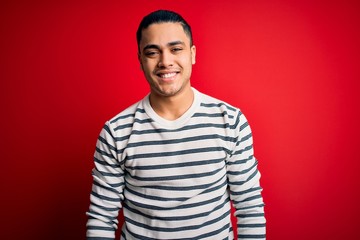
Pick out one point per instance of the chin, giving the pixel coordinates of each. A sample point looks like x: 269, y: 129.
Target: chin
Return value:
x: 168, y: 92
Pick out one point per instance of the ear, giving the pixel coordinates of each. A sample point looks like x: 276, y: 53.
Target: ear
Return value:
x: 139, y: 58
x: 193, y: 54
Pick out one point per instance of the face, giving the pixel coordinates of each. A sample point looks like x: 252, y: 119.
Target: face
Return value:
x: 166, y: 58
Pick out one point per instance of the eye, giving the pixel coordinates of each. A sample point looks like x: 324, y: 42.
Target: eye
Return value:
x: 176, y: 49
x: 151, y: 53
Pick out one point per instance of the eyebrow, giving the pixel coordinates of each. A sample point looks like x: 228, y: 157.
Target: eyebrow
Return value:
x: 154, y: 46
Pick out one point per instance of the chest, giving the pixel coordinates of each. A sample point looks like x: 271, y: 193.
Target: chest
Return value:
x: 175, y: 158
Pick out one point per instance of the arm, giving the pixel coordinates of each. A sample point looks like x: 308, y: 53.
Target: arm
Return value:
x: 245, y: 190
x: 107, y: 189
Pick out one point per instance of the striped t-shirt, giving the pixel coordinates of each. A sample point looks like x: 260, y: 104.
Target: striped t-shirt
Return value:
x: 174, y: 179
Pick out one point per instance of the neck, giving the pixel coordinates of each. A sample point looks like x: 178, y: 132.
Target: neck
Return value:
x: 172, y: 107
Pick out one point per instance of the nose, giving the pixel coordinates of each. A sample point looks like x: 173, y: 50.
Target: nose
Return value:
x: 165, y: 60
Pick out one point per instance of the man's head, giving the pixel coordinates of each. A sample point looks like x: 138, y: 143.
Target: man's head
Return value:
x: 163, y: 16
x: 166, y: 53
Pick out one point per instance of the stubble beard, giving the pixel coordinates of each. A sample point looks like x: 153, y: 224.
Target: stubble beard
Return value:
x: 168, y: 89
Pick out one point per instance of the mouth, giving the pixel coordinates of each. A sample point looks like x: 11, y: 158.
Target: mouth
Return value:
x: 167, y: 76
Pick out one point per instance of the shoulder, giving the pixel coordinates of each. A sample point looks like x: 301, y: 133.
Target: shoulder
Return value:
x: 215, y: 105
x: 127, y: 116
x: 230, y: 115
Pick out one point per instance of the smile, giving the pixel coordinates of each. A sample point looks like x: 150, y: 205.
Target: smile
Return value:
x: 167, y: 75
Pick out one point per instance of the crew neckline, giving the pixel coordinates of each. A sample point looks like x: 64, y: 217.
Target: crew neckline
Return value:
x: 179, y: 122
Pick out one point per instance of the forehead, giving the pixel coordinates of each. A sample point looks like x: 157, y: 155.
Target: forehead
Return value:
x: 163, y: 33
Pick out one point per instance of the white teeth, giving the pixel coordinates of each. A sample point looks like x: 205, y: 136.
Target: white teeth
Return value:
x: 168, y: 75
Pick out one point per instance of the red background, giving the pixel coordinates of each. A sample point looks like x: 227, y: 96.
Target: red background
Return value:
x: 293, y: 69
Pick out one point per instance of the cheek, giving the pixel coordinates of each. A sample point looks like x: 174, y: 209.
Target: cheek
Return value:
x: 147, y: 66
x: 186, y: 61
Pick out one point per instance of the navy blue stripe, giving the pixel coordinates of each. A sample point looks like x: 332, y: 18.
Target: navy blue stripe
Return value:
x: 102, y: 197
x: 243, y: 171
x: 100, y: 228
x: 135, y: 121
x: 237, y: 121
x: 104, y: 187
x: 184, y: 206
x: 123, y: 138
x: 251, y: 215
x: 157, y: 198
x: 185, y: 128
x: 176, y: 218
x: 177, y: 153
x: 212, y: 115
x: 244, y: 125
x: 246, y: 180
x: 123, y: 117
x: 140, y: 110
x: 246, y: 191
x: 247, y: 148
x: 176, y: 177
x: 210, y: 105
x: 215, y: 232
x: 178, y: 229
x: 107, y: 129
x: 250, y: 207
x: 109, y: 174
x: 177, y: 165
x: 250, y: 198
x: 104, y: 141
x: 251, y: 225
x: 123, y: 126
x: 206, y: 235
x: 105, y: 163
x: 116, y: 185
x: 112, y: 219
x: 102, y: 152
x: 247, y: 137
x: 187, y: 188
x: 181, y: 140
x: 241, y: 161
x: 224, y: 183
x: 257, y: 236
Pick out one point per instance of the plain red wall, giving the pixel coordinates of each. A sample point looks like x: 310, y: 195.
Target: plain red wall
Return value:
x: 293, y: 68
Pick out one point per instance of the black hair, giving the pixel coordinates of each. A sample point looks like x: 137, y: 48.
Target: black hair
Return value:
x: 163, y: 16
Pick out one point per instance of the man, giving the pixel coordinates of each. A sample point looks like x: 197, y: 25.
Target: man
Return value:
x: 173, y: 161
